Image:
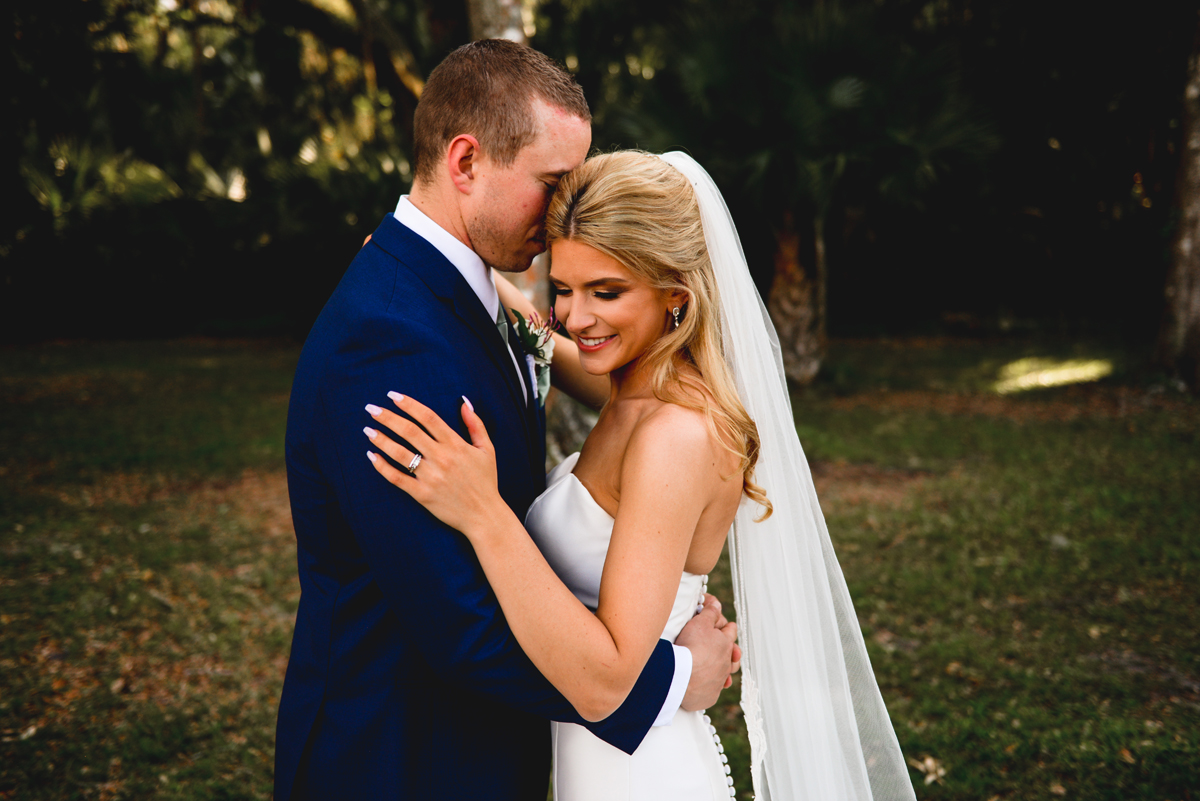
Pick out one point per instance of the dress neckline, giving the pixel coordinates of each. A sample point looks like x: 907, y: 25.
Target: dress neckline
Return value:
x: 591, y: 497
x: 568, y: 465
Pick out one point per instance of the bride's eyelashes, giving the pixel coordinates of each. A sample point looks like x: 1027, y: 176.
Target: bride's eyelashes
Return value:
x: 563, y: 292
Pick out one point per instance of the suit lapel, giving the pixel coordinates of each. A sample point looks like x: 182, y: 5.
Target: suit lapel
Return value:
x: 448, y: 285
x: 467, y: 308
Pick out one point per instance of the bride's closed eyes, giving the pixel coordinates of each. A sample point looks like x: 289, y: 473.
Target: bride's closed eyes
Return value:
x: 608, y: 293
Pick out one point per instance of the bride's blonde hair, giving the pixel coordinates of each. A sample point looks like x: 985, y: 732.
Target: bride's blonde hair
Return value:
x: 641, y: 211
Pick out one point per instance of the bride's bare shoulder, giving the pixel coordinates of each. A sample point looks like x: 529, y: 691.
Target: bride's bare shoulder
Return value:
x: 670, y: 420
x: 679, y: 437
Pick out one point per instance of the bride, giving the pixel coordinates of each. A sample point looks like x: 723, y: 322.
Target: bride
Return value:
x: 695, y: 442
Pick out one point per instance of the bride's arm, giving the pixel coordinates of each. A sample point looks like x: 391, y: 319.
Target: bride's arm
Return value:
x: 593, y: 659
x: 565, y: 371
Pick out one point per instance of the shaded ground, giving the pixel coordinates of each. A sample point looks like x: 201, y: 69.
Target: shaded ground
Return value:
x: 1024, y: 568
x: 1067, y: 404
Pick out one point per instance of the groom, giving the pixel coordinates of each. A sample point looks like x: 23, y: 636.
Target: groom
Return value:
x: 404, y: 680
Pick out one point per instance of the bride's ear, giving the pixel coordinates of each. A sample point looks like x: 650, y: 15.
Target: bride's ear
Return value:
x: 678, y: 299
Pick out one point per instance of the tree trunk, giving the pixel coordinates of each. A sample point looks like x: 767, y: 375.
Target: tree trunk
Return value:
x: 1178, y: 347
x: 496, y: 19
x: 795, y: 305
x: 822, y: 283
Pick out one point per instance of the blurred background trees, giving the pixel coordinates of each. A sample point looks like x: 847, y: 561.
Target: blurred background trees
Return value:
x: 1178, y: 347
x: 895, y: 166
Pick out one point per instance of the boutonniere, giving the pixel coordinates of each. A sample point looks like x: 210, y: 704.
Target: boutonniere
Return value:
x: 537, y: 339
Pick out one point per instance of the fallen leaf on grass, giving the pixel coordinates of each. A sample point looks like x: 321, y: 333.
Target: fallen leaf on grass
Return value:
x: 1128, y: 757
x: 933, y: 770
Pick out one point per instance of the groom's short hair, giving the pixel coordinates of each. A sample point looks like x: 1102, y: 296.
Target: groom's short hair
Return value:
x: 486, y: 89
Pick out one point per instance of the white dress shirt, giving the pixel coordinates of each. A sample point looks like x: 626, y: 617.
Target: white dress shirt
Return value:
x: 479, y: 276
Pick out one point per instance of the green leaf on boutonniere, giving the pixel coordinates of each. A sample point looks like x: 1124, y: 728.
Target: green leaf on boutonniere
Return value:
x: 537, y: 338
x: 536, y: 335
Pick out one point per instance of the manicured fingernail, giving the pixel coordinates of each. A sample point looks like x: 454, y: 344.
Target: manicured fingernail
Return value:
x: 395, y: 396
x: 373, y: 410
x: 372, y: 457
x: 470, y: 405
x: 370, y: 432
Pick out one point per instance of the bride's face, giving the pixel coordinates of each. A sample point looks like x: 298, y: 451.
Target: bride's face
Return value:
x: 612, y: 315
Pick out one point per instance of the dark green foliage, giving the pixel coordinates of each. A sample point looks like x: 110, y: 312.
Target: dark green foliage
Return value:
x: 981, y: 166
x: 184, y: 171
x: 976, y: 165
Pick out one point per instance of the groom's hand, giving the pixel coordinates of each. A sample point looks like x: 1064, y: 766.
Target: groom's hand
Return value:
x: 710, y: 638
x: 730, y: 630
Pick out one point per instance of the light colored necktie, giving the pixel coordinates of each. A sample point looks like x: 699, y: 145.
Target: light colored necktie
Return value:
x: 502, y: 324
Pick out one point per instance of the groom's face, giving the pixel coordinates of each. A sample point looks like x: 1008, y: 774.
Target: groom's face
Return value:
x: 506, y: 220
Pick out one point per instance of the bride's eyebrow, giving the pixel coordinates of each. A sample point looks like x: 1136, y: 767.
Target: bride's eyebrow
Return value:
x: 617, y: 282
x: 621, y: 282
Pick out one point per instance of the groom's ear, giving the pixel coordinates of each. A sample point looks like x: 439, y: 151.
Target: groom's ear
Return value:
x: 462, y: 156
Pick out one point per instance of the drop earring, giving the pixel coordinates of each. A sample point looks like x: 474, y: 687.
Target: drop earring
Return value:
x: 675, y: 314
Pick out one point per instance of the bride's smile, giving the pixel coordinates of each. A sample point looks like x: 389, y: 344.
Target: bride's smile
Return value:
x: 594, y: 344
x: 612, y: 314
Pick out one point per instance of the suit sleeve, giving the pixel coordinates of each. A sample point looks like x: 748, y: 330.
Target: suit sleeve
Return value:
x: 428, y: 573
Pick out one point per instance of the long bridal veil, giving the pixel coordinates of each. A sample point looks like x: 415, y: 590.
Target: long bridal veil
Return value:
x: 818, y: 727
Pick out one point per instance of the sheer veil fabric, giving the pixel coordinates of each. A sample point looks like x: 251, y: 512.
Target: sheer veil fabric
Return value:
x: 818, y: 727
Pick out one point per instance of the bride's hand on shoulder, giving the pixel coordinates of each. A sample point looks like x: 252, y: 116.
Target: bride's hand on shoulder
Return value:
x: 454, y: 479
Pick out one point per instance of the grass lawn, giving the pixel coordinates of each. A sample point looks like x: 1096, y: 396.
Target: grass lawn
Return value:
x: 1025, y: 567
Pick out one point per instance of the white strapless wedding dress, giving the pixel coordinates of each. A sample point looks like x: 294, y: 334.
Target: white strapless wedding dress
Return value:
x: 681, y: 762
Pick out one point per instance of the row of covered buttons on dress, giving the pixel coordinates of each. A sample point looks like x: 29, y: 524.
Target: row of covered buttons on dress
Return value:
x: 707, y: 720
x: 721, y: 750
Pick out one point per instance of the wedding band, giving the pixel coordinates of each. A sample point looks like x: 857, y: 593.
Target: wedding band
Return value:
x: 412, y: 466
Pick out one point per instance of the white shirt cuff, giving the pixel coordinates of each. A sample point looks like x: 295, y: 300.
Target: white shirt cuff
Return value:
x: 679, y: 685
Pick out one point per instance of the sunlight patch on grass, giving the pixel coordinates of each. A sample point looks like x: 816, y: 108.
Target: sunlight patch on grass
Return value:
x: 1037, y: 373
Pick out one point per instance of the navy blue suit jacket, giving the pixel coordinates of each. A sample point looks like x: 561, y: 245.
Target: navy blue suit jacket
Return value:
x: 404, y: 680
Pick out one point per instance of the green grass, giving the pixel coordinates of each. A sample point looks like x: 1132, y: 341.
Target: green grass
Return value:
x: 147, y: 584
x: 1025, y: 568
